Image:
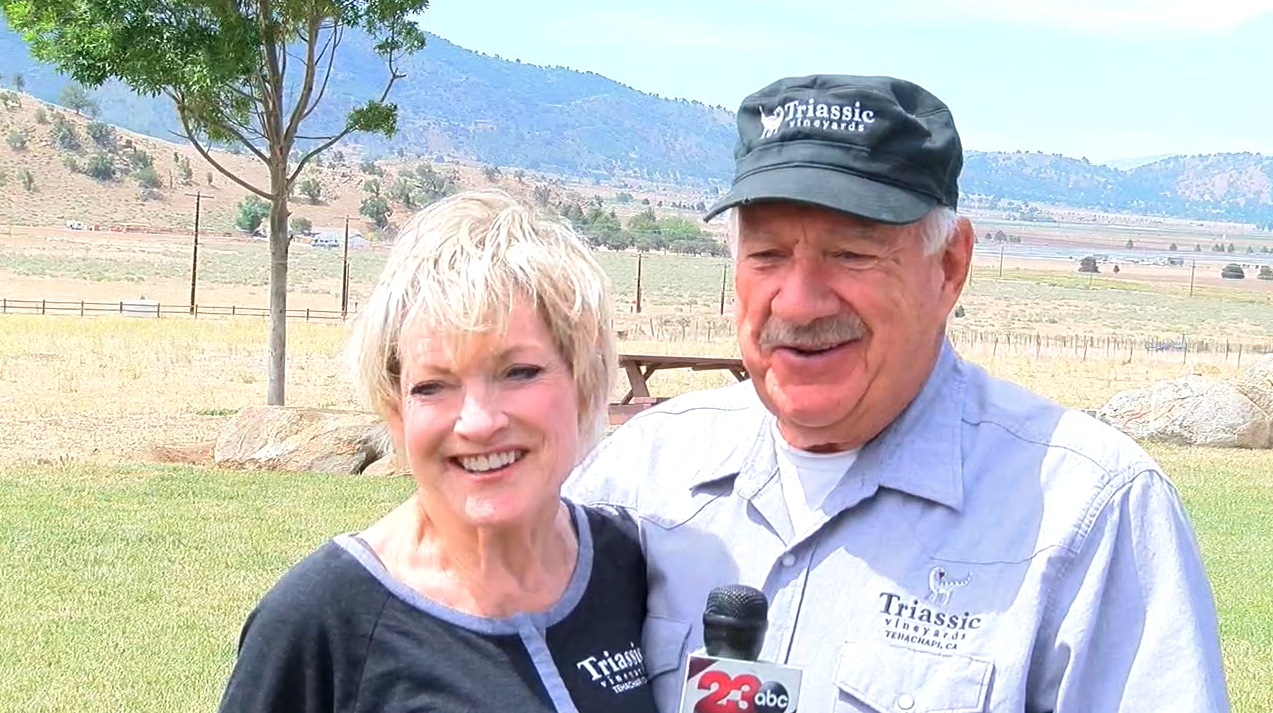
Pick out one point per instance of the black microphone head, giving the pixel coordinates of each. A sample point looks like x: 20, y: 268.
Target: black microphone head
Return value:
x: 734, y: 622
x: 738, y: 601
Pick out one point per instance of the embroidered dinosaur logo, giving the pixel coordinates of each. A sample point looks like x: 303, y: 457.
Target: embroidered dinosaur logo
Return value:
x: 940, y: 585
x: 771, y: 122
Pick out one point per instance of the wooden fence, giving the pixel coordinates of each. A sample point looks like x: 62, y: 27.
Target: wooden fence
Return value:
x: 1182, y: 349
x: 155, y: 309
x: 711, y: 329
x: 699, y: 329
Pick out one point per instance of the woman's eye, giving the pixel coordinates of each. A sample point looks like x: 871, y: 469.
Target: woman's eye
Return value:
x: 524, y: 372
x: 427, y: 388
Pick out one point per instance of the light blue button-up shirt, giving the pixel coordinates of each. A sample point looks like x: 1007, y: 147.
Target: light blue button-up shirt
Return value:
x: 991, y: 550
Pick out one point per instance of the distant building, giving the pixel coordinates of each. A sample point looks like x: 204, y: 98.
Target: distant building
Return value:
x: 335, y: 237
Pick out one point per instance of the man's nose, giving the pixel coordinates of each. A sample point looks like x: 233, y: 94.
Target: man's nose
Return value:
x: 804, y: 295
x: 481, y: 414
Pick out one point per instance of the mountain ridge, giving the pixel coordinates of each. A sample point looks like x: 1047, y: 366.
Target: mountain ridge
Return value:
x: 463, y: 104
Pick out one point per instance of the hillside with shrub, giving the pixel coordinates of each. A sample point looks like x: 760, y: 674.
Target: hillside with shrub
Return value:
x: 460, y: 105
x: 60, y: 167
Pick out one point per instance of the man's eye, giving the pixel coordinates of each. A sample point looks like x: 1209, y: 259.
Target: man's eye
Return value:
x: 525, y: 372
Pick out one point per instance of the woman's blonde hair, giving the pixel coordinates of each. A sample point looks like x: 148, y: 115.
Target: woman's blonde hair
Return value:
x: 458, y: 266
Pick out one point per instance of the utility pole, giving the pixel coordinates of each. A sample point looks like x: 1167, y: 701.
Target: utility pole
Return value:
x: 638, y: 285
x: 344, y: 275
x: 1001, y: 261
x: 194, y: 253
x: 724, y: 273
x: 1192, y: 268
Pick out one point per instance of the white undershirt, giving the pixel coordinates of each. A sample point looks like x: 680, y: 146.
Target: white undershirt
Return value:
x: 806, y: 479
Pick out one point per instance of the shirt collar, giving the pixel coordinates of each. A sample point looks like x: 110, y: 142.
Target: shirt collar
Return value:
x: 919, y: 453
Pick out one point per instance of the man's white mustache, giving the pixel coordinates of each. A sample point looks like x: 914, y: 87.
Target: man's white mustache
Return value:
x: 821, y: 333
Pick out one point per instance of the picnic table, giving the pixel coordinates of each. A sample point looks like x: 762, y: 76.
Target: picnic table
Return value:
x: 640, y: 367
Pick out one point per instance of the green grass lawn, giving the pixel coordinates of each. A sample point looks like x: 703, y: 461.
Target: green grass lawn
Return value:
x: 125, y: 587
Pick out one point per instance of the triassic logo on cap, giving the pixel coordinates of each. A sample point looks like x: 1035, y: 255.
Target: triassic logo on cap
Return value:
x: 816, y: 115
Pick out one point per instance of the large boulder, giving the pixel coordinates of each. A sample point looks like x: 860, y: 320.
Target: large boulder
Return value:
x: 1196, y: 411
x: 296, y: 438
x: 1261, y: 372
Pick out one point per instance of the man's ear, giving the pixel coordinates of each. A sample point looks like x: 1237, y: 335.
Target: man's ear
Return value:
x: 957, y: 262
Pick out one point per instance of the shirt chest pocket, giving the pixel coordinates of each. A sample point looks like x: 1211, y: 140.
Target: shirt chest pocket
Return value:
x: 884, y: 678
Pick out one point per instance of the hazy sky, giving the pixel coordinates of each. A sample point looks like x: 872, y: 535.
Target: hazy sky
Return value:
x: 1097, y: 78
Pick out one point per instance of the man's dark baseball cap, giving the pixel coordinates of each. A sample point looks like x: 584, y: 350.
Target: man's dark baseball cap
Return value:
x: 877, y: 147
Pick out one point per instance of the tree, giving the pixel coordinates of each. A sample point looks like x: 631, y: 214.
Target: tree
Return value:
x: 247, y: 74
x: 376, y: 208
x: 1088, y: 264
x: 249, y: 213
x: 75, y: 97
x: 311, y: 189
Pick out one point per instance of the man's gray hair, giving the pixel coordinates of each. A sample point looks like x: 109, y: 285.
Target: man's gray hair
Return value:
x: 936, y: 228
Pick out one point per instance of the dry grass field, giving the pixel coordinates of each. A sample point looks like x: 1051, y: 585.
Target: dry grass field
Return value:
x: 159, y: 382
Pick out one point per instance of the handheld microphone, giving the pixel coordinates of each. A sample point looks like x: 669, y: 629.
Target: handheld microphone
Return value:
x: 727, y: 676
x: 734, y: 622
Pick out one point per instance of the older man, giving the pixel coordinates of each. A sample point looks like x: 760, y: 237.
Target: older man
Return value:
x: 931, y: 538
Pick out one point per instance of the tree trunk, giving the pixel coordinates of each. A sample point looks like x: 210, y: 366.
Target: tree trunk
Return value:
x: 280, y: 242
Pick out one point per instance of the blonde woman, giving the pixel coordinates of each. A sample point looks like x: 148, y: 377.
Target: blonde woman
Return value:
x: 487, y: 349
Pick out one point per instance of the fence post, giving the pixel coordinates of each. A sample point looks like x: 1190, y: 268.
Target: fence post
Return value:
x: 81, y: 308
x: 42, y: 306
x: 1239, y: 355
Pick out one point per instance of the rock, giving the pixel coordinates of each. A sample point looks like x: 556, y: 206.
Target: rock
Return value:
x: 296, y: 438
x: 1261, y: 372
x: 388, y: 466
x: 1192, y: 410
x: 1260, y: 394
